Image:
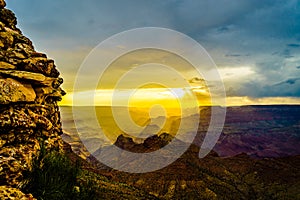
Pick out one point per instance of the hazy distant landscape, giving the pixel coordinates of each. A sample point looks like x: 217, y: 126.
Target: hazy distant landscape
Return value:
x: 259, y: 131
x: 257, y: 156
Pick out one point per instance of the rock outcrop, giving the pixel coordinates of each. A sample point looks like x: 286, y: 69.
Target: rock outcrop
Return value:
x: 13, y: 193
x: 29, y: 91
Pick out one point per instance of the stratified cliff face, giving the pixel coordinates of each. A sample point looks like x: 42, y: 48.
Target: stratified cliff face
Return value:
x: 29, y: 91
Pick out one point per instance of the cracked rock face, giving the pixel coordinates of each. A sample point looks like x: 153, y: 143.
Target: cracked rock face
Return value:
x: 29, y: 92
x: 13, y: 193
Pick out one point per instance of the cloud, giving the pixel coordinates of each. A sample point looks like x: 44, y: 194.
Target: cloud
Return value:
x: 194, y: 17
x: 286, y: 53
x: 293, y: 45
x: 288, y: 88
x: 246, y: 100
x: 290, y: 81
x: 233, y: 55
x: 223, y: 29
x: 197, y: 80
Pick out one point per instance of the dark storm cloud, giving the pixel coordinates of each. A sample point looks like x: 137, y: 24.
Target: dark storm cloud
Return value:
x: 86, y: 22
x: 285, y: 89
x: 290, y: 81
x: 254, y: 89
x: 293, y: 45
x: 65, y: 18
x: 194, y: 17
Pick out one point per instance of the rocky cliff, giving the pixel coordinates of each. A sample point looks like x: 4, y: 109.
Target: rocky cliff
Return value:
x: 29, y: 114
x: 212, y: 177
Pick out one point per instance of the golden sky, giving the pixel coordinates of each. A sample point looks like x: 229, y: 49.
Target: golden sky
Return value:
x: 144, y: 78
x: 255, y: 45
x: 147, y: 77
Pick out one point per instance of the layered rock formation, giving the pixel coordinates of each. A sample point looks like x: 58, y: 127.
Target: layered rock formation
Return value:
x: 29, y: 91
x: 212, y: 177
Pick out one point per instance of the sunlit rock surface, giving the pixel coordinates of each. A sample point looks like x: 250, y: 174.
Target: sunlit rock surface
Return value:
x: 29, y: 91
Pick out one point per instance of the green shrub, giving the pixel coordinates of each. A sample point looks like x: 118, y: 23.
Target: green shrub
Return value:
x: 53, y: 176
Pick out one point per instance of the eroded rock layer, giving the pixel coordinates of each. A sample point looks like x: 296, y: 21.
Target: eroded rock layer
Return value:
x: 29, y: 92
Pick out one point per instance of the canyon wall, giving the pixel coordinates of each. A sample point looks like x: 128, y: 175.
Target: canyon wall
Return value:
x: 29, y: 92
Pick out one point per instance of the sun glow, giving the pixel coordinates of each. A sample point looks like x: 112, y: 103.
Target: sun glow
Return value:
x: 103, y: 98
x: 144, y: 97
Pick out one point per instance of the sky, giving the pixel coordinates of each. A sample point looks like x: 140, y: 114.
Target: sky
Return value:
x: 255, y: 44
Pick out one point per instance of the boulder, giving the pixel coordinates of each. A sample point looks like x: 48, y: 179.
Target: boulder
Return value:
x: 14, y: 91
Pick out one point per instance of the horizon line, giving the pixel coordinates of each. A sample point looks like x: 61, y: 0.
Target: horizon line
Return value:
x: 177, y: 107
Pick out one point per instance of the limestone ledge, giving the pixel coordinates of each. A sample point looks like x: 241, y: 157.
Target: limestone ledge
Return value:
x: 22, y: 86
